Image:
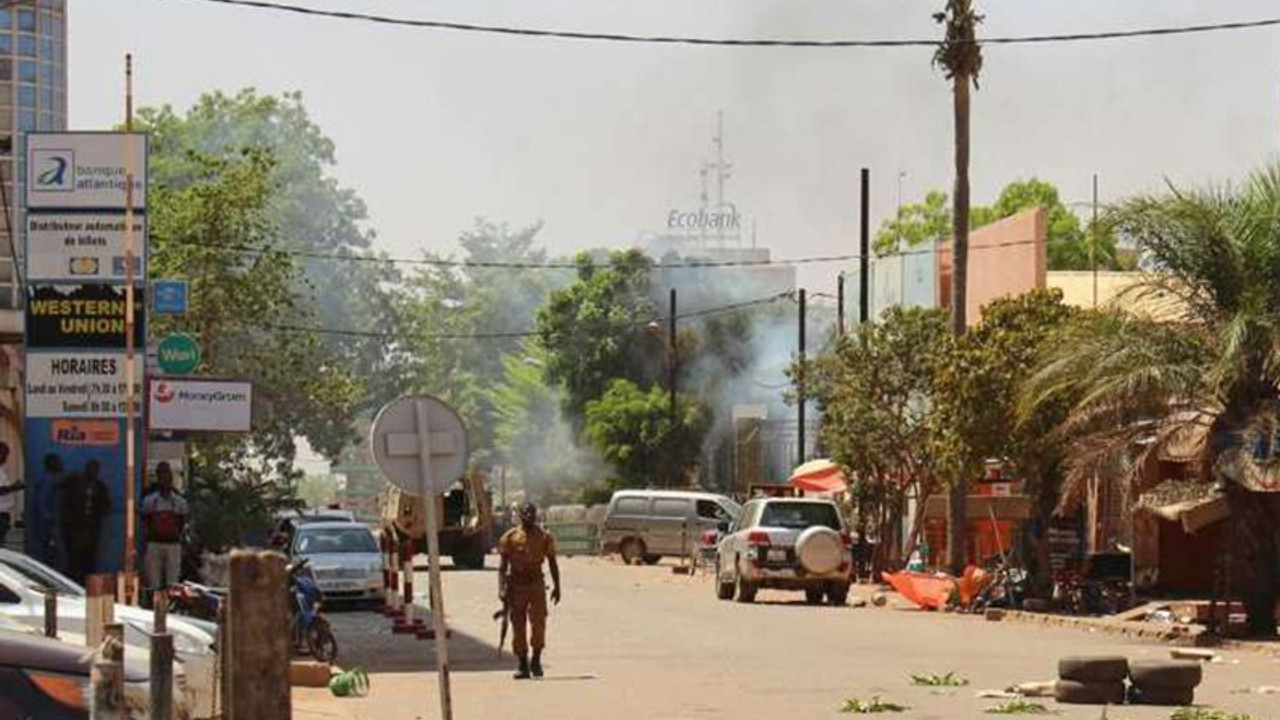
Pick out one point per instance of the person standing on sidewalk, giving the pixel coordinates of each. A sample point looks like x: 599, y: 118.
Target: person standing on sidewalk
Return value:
x: 164, y: 513
x: 8, y: 502
x: 521, y: 586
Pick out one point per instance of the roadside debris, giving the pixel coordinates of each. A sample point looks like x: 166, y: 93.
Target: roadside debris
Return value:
x: 874, y: 705
x: 935, y: 680
x: 1034, y: 689
x: 997, y: 695
x: 354, y: 682
x: 1020, y: 707
x: 1194, y: 654
x: 1260, y: 690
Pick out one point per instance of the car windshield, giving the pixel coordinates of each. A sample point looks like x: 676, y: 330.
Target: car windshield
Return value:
x: 355, y: 539
x: 38, y: 576
x: 798, y: 516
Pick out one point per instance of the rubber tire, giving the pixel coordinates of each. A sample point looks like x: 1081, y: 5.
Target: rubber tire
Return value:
x: 1094, y: 668
x: 1166, y: 674
x: 838, y: 594
x: 813, y: 596
x: 321, y: 643
x: 1167, y: 697
x: 746, y: 590
x: 724, y: 590
x: 652, y: 559
x: 632, y: 551
x: 1072, y: 692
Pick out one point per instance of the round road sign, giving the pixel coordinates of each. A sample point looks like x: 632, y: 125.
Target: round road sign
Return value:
x: 420, y: 444
x: 178, y: 354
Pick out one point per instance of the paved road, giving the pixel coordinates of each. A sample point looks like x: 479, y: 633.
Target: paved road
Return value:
x: 640, y: 643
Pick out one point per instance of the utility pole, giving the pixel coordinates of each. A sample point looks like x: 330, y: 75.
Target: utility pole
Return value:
x: 800, y: 386
x: 672, y: 361
x: 1093, y: 244
x: 130, y: 386
x: 864, y: 259
x: 840, y: 304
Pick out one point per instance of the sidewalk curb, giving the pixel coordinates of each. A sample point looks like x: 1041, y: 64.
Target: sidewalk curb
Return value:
x: 1178, y: 635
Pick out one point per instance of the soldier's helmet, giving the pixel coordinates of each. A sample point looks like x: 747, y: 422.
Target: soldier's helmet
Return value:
x: 528, y: 512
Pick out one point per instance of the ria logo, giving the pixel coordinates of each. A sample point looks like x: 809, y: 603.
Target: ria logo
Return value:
x: 56, y: 170
x: 164, y: 393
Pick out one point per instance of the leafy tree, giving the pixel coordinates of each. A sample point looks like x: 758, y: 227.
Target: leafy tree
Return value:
x: 460, y: 324
x: 597, y: 330
x: 1071, y: 245
x: 310, y: 212
x: 238, y: 302
x: 1204, y: 367
x: 876, y: 392
x: 635, y: 431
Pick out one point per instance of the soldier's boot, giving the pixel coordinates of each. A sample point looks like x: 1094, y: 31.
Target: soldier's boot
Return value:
x: 536, y: 667
x: 523, y: 672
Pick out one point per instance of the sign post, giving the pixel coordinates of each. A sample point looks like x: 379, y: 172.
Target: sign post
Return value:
x: 420, y: 445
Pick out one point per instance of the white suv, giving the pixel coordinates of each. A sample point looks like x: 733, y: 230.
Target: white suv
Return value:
x: 787, y: 544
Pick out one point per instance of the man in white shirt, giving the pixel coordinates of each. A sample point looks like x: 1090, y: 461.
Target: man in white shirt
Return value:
x: 8, y: 499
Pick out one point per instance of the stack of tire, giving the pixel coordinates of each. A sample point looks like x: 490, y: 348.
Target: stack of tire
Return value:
x: 1091, y: 680
x: 1164, y: 682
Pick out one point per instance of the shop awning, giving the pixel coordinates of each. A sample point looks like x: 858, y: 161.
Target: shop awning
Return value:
x: 981, y: 507
x: 1193, y: 515
x: 819, y: 476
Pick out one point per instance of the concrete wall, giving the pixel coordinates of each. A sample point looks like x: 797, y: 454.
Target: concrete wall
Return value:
x: 1006, y: 258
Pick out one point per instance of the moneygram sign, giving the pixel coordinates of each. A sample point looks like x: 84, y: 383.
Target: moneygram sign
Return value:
x: 86, y: 171
x: 200, y: 405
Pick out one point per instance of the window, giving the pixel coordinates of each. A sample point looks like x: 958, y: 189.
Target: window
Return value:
x: 6, y: 122
x: 8, y: 597
x: 46, y: 75
x: 711, y: 510
x: 632, y: 506
x: 26, y: 96
x: 670, y: 507
x: 6, y: 144
x: 27, y: 120
x: 6, y: 43
x: 27, y: 45
x: 27, y: 20
x: 6, y: 98
x: 798, y: 516
x: 27, y: 70
x: 6, y: 69
x: 6, y: 19
x: 46, y: 49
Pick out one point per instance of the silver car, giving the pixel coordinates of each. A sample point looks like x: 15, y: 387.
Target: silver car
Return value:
x: 344, y: 558
x: 645, y: 525
x: 786, y: 544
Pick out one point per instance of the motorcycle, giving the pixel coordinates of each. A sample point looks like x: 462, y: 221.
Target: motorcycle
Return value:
x: 310, y: 628
x: 194, y: 600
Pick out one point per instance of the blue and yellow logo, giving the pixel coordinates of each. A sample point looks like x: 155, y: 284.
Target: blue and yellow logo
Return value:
x: 55, y: 170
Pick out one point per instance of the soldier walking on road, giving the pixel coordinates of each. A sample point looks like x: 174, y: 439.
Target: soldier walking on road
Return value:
x: 522, y: 588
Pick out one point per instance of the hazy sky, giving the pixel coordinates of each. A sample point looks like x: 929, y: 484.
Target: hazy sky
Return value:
x: 600, y: 141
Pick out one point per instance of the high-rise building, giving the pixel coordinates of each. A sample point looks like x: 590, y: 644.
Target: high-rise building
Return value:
x: 33, y: 97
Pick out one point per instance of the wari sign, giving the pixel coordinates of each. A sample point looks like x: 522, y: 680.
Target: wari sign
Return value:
x: 79, y: 384
x: 178, y: 354
x: 85, y: 171
x: 200, y: 405
x: 84, y: 316
x: 82, y: 248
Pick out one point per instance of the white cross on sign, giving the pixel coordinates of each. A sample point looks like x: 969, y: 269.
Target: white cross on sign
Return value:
x: 407, y: 427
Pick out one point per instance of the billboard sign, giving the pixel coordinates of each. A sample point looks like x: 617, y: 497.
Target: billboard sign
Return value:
x: 79, y: 384
x: 200, y: 405
x: 82, y: 248
x: 82, y: 316
x: 169, y: 297
x: 85, y: 170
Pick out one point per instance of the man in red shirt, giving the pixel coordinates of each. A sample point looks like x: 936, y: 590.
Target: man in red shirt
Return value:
x: 164, y: 513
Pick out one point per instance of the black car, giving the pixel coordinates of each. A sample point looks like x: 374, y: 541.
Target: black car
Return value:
x: 47, y: 679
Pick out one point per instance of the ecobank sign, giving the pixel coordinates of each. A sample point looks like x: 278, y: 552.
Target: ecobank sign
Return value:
x: 86, y: 171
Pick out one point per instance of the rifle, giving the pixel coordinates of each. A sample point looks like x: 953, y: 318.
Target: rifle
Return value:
x: 504, y: 614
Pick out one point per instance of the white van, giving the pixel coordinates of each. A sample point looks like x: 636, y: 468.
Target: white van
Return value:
x: 646, y: 525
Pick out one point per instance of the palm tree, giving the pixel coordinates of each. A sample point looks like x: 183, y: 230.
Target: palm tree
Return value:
x: 1201, y: 370
x: 960, y: 57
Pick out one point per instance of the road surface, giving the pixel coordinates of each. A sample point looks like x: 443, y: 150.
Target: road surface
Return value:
x: 641, y: 643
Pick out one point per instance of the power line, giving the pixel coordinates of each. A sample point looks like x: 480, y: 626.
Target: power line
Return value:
x: 569, y: 265
x: 516, y: 334
x: 731, y: 42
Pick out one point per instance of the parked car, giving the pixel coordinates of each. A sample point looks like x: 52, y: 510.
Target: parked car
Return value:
x: 288, y: 521
x: 645, y: 525
x: 49, y: 679
x: 786, y: 544
x: 23, y: 580
x: 344, y: 558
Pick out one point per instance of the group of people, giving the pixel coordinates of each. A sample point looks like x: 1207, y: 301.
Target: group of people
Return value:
x: 71, y: 509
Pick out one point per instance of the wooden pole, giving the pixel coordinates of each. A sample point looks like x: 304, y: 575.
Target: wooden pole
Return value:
x: 160, y: 606
x: 107, y: 677
x: 161, y: 695
x: 99, y: 607
x: 50, y: 613
x: 257, y: 649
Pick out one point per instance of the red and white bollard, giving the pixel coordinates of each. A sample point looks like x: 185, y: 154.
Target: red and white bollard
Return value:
x: 391, y: 585
x: 405, y: 622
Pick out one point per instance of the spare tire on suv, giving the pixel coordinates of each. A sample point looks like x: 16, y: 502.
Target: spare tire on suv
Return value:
x: 820, y: 550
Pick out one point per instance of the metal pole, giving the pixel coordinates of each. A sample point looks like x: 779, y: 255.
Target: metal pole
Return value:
x: 433, y: 553
x: 864, y: 252
x: 107, y: 677
x: 800, y: 386
x: 840, y: 304
x: 161, y: 694
x: 1093, y: 245
x: 130, y: 252
x: 50, y: 613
